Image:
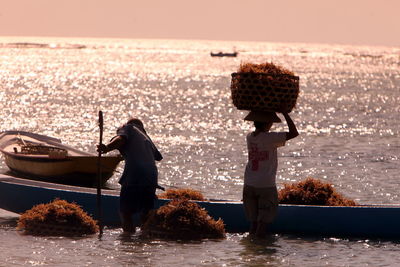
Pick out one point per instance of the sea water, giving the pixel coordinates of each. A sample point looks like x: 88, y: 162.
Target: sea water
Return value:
x: 347, y: 114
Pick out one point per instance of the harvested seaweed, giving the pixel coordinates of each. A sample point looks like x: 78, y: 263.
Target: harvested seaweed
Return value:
x: 181, y: 219
x: 267, y: 68
x: 58, y: 217
x: 182, y: 193
x: 312, y: 192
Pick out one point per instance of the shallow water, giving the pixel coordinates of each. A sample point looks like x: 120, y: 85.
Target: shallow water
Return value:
x: 347, y: 115
x: 236, y: 250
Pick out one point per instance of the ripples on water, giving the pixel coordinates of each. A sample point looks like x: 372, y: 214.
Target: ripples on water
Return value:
x: 347, y: 114
x: 235, y: 250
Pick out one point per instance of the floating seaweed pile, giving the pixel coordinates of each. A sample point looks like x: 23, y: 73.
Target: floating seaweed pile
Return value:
x: 312, y: 192
x: 181, y: 219
x: 182, y: 193
x: 58, y: 217
x: 264, y: 87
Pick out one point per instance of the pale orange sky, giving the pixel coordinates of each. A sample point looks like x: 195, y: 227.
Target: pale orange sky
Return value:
x: 359, y: 22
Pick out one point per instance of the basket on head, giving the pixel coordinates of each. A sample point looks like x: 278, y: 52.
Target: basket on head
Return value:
x: 264, y: 87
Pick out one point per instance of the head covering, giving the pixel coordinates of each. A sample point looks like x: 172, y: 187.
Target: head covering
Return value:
x: 262, y: 116
x: 135, y: 121
x: 138, y: 123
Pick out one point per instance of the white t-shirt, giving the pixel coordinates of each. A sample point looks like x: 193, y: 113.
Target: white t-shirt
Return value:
x: 262, y: 158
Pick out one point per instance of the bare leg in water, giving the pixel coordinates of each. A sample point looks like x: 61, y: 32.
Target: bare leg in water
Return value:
x: 127, y: 223
x: 253, y: 228
x: 261, y: 231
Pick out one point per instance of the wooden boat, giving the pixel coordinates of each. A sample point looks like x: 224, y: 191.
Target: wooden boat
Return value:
x: 46, y: 158
x: 221, y: 54
x: 369, y: 221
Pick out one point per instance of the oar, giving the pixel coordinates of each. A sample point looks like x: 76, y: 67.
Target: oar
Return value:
x: 99, y: 211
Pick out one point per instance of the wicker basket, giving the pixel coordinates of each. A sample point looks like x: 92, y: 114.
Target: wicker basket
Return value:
x: 264, y: 92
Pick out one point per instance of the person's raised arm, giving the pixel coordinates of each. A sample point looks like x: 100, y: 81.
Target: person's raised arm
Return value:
x: 292, y: 127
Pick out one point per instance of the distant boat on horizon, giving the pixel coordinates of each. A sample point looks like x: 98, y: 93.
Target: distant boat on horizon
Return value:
x: 222, y: 54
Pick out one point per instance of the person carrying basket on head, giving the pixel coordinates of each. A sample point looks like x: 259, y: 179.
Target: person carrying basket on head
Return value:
x: 260, y: 195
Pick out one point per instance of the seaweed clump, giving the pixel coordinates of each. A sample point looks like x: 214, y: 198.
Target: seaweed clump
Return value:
x: 58, y: 217
x: 181, y: 219
x: 312, y: 192
x: 182, y: 193
x: 267, y: 68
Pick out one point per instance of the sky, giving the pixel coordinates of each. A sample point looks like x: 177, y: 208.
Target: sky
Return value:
x: 353, y: 22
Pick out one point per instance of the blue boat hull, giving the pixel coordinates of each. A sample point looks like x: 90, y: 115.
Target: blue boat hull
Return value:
x: 371, y: 221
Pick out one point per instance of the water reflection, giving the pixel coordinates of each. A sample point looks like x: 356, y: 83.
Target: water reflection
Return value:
x: 265, y: 246
x: 260, y: 252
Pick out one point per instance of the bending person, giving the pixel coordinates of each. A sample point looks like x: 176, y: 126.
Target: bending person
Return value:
x: 140, y: 177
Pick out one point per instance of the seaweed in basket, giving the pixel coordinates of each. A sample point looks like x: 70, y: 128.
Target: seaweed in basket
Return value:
x: 264, y: 87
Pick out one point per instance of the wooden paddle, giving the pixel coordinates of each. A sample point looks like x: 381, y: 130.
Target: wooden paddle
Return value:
x: 99, y: 180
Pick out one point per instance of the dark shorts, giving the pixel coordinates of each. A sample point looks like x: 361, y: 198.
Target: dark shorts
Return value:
x: 135, y: 199
x: 260, y: 204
